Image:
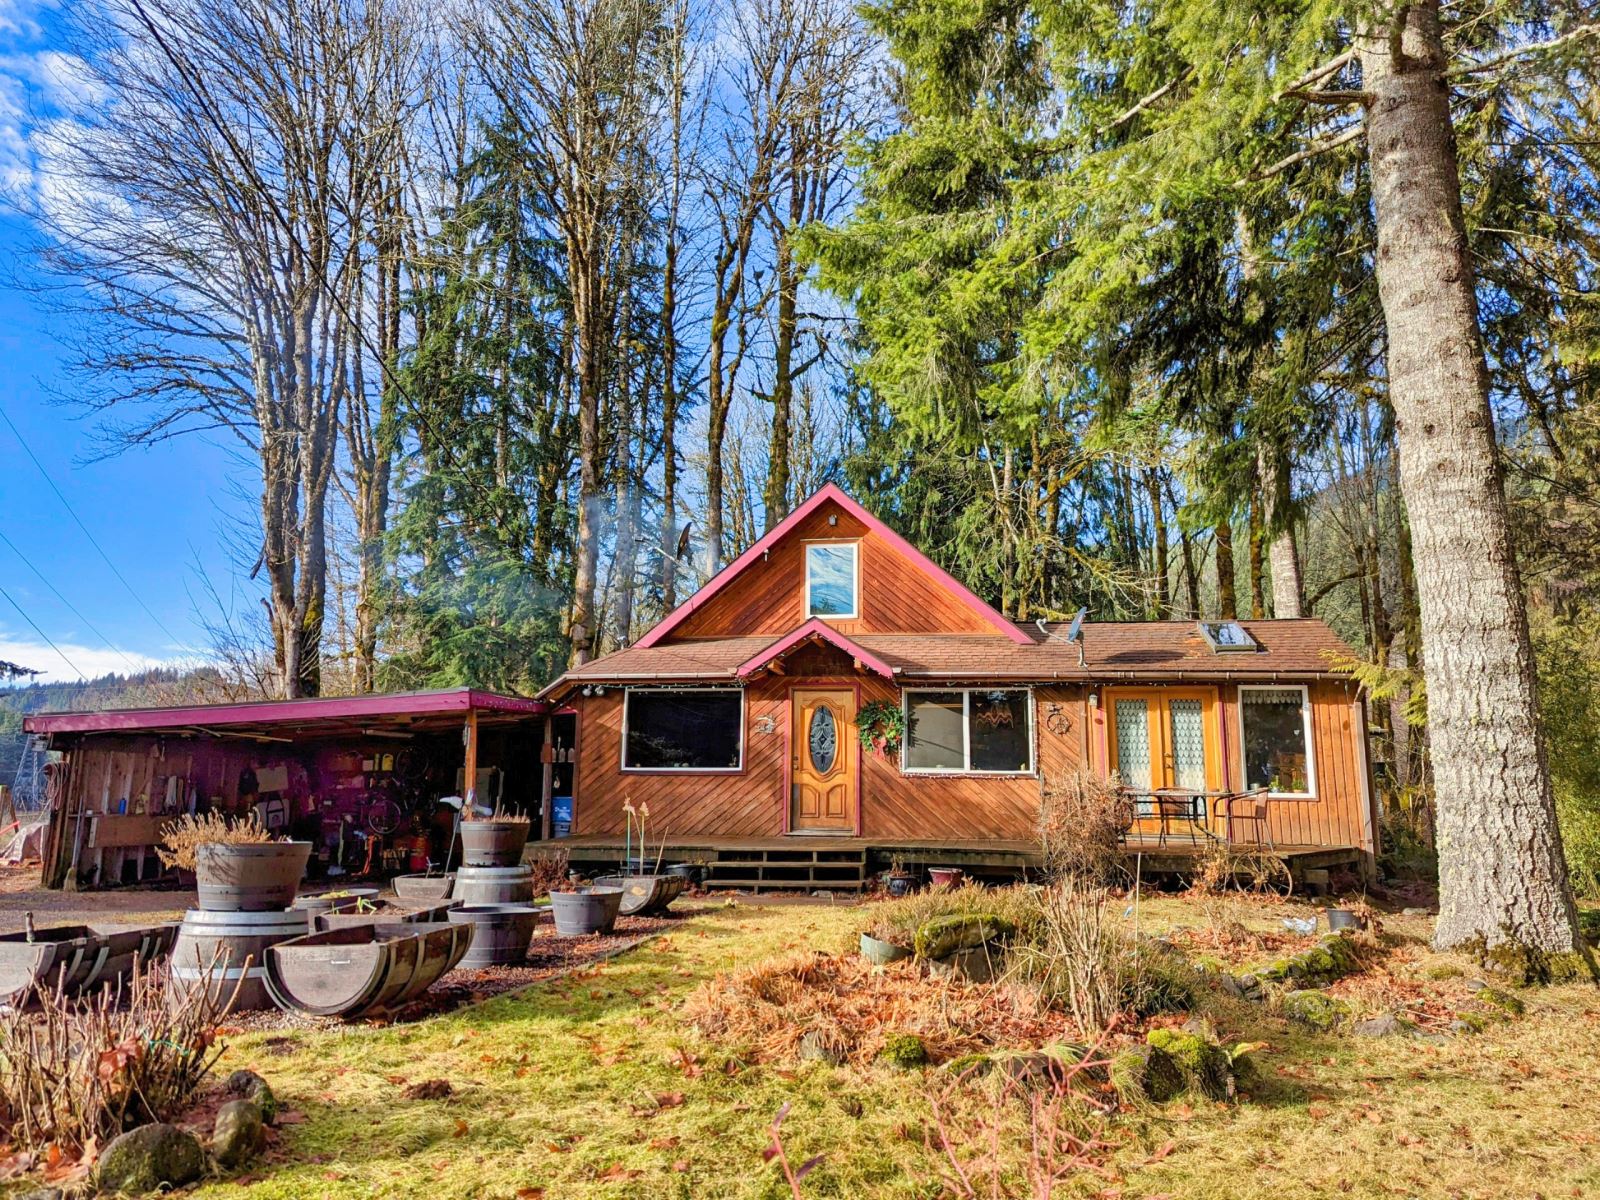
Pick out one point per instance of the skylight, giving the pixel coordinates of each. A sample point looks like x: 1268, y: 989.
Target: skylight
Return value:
x: 1227, y: 637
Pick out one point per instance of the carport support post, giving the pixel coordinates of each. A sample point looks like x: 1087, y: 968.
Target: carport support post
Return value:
x: 469, y: 738
x: 547, y: 786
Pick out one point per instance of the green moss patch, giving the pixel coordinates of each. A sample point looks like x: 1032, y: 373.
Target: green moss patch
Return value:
x: 1204, y: 1065
x: 943, y: 936
x: 904, y: 1050
x: 1315, y: 1008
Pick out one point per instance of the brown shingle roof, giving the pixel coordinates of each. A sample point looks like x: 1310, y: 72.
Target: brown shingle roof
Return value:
x: 1111, y: 650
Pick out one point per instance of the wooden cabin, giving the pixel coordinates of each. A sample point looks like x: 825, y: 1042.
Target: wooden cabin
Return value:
x: 735, y: 720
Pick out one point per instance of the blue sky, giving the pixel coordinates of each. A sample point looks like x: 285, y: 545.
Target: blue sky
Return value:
x: 162, y: 515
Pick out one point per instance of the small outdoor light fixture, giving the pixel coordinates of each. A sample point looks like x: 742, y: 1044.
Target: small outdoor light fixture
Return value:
x: 833, y: 518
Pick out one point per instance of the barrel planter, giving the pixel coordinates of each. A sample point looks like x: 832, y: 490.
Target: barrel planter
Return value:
x: 586, y: 911
x: 344, y: 900
x: 493, y: 843
x: 881, y: 953
x: 501, y: 933
x: 494, y: 885
x: 945, y: 877
x: 690, y: 873
x: 229, y: 949
x: 255, y: 877
x: 76, y: 958
x: 421, y: 889
x: 363, y: 969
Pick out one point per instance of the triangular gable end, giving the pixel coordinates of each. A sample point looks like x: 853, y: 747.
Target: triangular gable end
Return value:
x: 724, y: 591
x: 815, y: 629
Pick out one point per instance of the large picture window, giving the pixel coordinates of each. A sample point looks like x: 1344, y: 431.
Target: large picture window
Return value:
x: 831, y: 579
x: 683, y: 730
x: 1275, y: 731
x: 988, y: 732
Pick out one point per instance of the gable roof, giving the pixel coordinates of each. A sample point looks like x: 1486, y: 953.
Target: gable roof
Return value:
x: 818, y: 630
x: 832, y: 493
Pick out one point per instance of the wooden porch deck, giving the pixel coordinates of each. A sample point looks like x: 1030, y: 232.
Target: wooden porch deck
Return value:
x: 803, y: 862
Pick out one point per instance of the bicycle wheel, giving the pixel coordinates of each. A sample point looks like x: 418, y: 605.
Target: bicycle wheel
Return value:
x: 383, y: 816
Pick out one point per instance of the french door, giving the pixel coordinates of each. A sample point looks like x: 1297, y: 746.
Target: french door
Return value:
x: 1163, y: 738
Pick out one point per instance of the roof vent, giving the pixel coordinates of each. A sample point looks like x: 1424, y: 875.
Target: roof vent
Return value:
x: 1228, y: 637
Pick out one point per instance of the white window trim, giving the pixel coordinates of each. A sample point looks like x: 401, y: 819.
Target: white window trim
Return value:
x: 622, y: 750
x: 1311, y: 747
x: 966, y: 733
x: 854, y: 546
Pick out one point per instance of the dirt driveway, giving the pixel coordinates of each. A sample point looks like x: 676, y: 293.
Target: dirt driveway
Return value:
x: 20, y: 893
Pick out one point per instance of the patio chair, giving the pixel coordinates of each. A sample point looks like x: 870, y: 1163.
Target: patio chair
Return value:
x: 1245, y: 812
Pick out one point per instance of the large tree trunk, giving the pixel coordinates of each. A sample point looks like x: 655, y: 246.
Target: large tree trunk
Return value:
x: 1283, y: 556
x: 1502, y: 877
x: 1227, y: 593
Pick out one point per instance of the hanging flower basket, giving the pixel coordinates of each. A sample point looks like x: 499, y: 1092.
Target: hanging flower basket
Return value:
x: 882, y: 727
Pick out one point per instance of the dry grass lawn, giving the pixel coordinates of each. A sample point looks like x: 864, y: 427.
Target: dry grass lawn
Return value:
x: 593, y: 1087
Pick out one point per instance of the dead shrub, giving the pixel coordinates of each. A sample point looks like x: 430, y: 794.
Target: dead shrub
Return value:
x: 849, y: 1009
x: 1020, y: 1137
x: 1082, y: 819
x: 549, y: 870
x: 77, y: 1071
x: 182, y: 839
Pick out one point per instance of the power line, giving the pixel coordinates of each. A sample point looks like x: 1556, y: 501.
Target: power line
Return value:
x: 71, y: 607
x: 176, y: 641
x: 81, y: 676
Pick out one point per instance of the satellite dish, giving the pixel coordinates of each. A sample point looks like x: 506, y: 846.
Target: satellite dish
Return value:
x: 1076, y: 628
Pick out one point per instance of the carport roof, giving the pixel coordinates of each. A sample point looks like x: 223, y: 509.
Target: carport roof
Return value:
x: 326, y: 716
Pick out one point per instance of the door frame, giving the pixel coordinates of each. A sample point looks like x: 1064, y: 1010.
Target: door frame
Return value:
x: 853, y: 686
x: 1211, y: 717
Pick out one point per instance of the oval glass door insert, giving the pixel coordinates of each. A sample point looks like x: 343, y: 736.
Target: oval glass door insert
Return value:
x: 824, y: 740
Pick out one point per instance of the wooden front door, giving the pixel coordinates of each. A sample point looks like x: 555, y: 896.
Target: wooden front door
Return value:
x: 823, y: 748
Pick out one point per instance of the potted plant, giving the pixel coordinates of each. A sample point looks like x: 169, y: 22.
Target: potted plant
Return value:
x: 899, y: 880
x: 239, y: 865
x: 643, y: 891
x: 944, y: 878
x: 495, y: 840
x: 881, y: 725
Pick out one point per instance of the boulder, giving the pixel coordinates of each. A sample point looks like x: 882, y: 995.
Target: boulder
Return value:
x: 239, y: 1133
x: 247, y: 1085
x: 1204, y: 1065
x: 1505, y: 1002
x: 943, y: 936
x: 150, y: 1157
x: 976, y: 964
x: 1146, y: 1073
x: 1317, y: 1009
x: 1386, y: 1025
x: 1332, y: 957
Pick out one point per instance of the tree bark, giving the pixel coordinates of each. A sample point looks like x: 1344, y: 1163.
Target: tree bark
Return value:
x: 1227, y: 596
x: 1502, y: 875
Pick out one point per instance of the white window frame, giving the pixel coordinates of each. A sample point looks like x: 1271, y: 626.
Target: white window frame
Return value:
x: 622, y: 750
x: 854, y: 546
x: 1311, y: 747
x: 966, y: 768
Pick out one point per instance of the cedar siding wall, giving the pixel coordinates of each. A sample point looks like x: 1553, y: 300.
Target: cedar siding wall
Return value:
x: 753, y: 803
x: 768, y: 597
x: 1338, y: 814
x: 896, y: 806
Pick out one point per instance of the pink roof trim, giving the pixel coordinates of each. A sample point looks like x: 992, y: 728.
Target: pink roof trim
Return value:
x: 262, y: 712
x: 815, y: 628
x: 832, y: 491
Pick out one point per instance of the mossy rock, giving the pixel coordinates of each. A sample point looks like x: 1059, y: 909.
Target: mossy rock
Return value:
x: 149, y: 1158
x: 1204, y: 1065
x: 904, y: 1050
x: 1334, y: 957
x: 249, y: 1086
x: 1146, y: 1073
x: 1315, y: 1008
x: 1508, y: 1004
x: 1443, y: 971
x: 943, y: 936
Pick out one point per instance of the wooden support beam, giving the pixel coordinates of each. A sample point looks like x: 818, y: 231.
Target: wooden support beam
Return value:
x: 470, y: 741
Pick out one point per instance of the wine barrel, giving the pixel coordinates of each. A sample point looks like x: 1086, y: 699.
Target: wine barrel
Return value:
x: 501, y: 933
x: 493, y: 842
x: 364, y: 969
x: 493, y: 885
x: 229, y: 948
x: 252, y: 877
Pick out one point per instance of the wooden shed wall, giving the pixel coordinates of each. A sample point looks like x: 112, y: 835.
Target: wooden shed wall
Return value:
x: 897, y: 596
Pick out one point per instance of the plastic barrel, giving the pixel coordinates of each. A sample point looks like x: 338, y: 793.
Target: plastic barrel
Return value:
x: 229, y: 947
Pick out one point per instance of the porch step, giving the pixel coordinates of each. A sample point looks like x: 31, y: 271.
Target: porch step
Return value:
x: 802, y: 869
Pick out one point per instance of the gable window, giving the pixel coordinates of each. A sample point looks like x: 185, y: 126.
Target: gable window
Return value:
x: 831, y: 579
x: 1275, y: 731
x: 683, y: 729
x: 977, y: 730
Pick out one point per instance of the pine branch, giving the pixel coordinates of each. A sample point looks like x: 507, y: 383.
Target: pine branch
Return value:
x: 1511, y: 56
x: 1312, y: 151
x: 1331, y: 96
x: 1318, y: 74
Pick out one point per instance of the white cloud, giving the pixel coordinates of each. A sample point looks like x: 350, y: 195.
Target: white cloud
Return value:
x: 91, y: 662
